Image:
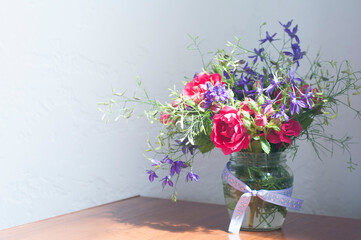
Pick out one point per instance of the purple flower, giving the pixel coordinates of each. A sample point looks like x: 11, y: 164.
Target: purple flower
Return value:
x: 249, y: 70
x: 307, y: 96
x: 152, y: 175
x: 268, y: 38
x: 290, y: 33
x: 189, y: 108
x: 216, y: 94
x: 176, y: 166
x: 243, y: 82
x: 258, y: 54
x: 296, y: 104
x: 293, y: 78
x: 266, y: 106
x: 192, y: 176
x: 156, y: 163
x: 226, y: 75
x: 232, y: 72
x: 281, y: 113
x: 259, y: 87
x: 293, y: 33
x: 166, y: 180
x: 274, y: 83
x: 187, y: 146
x: 297, y: 54
x: 287, y: 25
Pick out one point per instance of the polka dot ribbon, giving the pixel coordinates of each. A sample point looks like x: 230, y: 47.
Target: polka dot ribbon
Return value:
x: 279, y: 197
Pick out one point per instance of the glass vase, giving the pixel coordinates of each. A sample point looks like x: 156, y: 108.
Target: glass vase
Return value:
x: 259, y: 171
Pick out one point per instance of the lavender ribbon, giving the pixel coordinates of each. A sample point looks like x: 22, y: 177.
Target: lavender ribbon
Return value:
x: 279, y: 197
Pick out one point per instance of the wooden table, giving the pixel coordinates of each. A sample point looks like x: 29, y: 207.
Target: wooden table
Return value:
x: 151, y: 218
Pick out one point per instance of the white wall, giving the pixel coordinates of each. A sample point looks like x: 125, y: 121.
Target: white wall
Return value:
x: 58, y: 59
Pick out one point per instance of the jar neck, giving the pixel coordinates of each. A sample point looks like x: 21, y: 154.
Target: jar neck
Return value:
x: 258, y: 159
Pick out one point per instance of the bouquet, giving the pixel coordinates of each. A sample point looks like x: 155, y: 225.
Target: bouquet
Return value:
x: 256, y: 101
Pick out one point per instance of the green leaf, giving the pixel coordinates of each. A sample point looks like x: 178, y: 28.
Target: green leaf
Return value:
x: 246, y: 114
x: 204, y: 142
x: 265, y: 145
x: 252, y: 105
x: 190, y: 139
x: 247, y: 123
x: 275, y: 127
x: 306, y: 122
x: 120, y: 94
x: 260, y: 100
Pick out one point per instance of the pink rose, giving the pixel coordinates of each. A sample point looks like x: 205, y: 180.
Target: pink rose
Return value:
x: 260, y: 120
x: 164, y: 118
x: 228, y: 131
x: 245, y: 107
x: 197, y: 87
x: 215, y: 108
x: 176, y: 102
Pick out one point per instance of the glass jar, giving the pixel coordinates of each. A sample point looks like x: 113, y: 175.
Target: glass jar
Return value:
x: 259, y: 171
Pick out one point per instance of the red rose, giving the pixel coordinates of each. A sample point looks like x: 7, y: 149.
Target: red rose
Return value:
x: 278, y: 137
x: 290, y: 128
x: 195, y: 88
x: 228, y: 131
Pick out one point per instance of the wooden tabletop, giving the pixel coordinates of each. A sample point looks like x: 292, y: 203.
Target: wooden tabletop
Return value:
x: 151, y: 218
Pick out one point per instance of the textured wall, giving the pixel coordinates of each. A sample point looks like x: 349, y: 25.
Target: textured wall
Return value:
x: 58, y: 59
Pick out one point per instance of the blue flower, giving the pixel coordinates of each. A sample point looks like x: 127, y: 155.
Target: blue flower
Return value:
x: 166, y: 180
x: 268, y: 38
x: 152, y: 175
x: 192, y: 176
x: 296, y: 104
x: 258, y: 54
x: 281, y: 113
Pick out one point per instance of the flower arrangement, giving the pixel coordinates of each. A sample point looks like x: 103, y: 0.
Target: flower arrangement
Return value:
x: 257, y: 101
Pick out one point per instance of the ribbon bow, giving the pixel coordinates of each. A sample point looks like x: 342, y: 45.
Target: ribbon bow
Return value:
x: 278, y: 197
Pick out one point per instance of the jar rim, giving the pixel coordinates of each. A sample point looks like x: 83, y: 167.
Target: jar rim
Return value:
x: 249, y: 157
